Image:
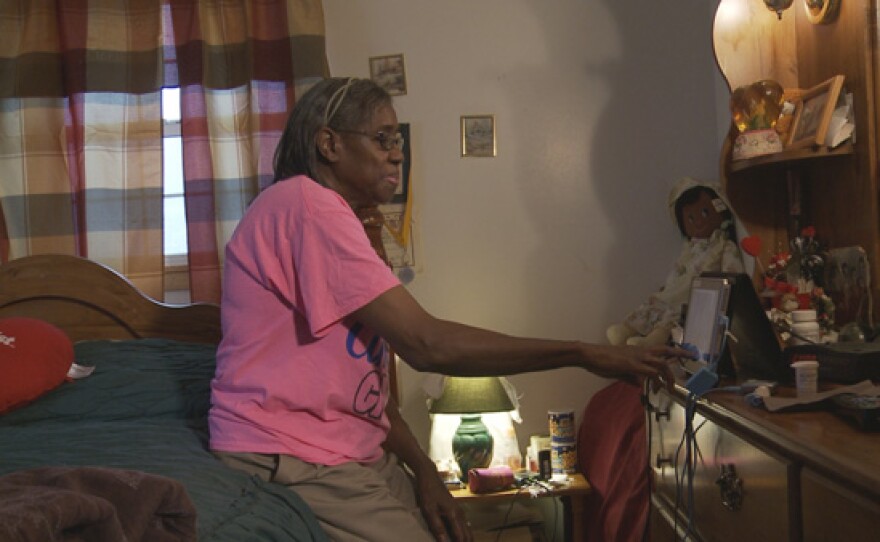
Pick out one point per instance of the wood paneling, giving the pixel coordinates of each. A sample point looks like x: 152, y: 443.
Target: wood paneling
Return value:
x: 751, y: 43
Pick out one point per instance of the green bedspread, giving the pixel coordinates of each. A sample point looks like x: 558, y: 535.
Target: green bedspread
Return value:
x: 144, y: 408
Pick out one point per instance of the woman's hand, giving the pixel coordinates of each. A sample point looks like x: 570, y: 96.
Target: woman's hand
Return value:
x: 635, y: 363
x: 445, y: 519
x: 443, y: 515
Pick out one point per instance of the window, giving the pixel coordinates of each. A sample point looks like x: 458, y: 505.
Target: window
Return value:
x: 175, y: 242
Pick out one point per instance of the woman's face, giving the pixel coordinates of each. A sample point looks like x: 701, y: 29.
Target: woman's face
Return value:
x: 700, y: 218
x: 365, y: 174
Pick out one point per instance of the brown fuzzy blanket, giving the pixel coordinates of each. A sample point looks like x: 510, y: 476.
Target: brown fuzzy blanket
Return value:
x: 94, y: 504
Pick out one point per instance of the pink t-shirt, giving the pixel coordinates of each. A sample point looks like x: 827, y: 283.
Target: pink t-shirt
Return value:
x: 295, y: 374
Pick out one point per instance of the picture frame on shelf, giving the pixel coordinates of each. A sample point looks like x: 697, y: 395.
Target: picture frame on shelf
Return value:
x: 389, y: 72
x: 478, y: 136
x: 812, y: 113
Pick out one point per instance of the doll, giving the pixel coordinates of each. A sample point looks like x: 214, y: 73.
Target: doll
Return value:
x: 709, y: 227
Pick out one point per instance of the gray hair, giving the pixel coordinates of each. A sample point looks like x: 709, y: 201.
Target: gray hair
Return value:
x: 340, y: 103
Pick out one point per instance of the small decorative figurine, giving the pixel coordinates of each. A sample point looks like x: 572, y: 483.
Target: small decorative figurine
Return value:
x: 755, y: 110
x: 709, y: 226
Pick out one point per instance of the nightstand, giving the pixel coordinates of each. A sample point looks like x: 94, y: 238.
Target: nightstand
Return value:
x: 573, y: 498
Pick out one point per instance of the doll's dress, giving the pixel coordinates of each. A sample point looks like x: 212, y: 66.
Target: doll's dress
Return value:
x: 663, y: 308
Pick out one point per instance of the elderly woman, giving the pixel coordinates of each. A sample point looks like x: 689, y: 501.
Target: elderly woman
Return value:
x: 309, y: 310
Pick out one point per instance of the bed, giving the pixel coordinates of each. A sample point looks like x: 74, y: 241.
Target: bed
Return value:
x: 139, y: 418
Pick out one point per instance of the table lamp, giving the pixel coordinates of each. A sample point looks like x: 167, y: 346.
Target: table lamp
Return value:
x: 471, y: 396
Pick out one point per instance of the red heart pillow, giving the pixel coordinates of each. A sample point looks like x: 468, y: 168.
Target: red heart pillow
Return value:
x: 34, y: 358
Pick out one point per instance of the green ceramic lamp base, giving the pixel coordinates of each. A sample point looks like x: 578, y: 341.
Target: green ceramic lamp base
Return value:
x: 472, y: 445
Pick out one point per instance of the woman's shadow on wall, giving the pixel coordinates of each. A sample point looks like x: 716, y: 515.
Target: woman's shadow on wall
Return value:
x: 657, y: 82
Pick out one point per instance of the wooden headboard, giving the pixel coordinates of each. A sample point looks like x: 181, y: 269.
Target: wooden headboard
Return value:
x: 91, y: 301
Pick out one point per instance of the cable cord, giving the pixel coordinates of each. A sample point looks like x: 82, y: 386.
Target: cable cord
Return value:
x: 507, y: 514
x: 692, y: 454
x: 510, y: 509
x: 689, y: 437
x: 699, y: 385
x: 690, y: 457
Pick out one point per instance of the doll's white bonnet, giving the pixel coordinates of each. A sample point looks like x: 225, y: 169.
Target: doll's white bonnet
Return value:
x: 686, y: 183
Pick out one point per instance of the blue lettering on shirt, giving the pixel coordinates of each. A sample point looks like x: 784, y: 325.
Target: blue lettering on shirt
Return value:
x: 375, y: 350
x: 368, y: 397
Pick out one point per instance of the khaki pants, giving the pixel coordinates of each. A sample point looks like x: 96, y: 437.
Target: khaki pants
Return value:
x: 352, y: 502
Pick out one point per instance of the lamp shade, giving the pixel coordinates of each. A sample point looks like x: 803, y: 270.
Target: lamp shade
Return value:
x: 472, y: 395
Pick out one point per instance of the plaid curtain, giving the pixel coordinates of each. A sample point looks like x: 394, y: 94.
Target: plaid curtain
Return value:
x: 80, y: 133
x: 81, y: 130
x: 239, y: 66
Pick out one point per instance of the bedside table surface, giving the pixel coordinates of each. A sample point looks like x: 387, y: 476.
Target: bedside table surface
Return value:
x: 578, y: 485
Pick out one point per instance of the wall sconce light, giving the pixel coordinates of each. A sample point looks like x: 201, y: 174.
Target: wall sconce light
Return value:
x: 821, y: 11
x: 778, y: 6
x: 818, y: 11
x: 472, y: 443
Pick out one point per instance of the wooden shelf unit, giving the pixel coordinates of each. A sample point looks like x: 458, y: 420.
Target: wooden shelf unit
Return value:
x: 836, y: 190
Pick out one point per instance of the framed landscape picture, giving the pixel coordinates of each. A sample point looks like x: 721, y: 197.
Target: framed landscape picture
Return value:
x: 478, y: 135
x: 389, y: 73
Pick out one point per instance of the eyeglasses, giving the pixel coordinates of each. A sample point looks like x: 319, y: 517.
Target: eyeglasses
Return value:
x: 388, y: 142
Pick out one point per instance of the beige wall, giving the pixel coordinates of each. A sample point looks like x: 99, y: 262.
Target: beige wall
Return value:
x: 600, y: 106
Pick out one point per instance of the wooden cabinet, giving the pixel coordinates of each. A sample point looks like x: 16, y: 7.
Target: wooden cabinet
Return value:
x: 740, y: 491
x: 831, y: 511
x: 761, y: 475
x: 837, y: 191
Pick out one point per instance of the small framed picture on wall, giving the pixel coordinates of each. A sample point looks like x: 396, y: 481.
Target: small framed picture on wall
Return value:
x: 478, y: 135
x: 389, y: 73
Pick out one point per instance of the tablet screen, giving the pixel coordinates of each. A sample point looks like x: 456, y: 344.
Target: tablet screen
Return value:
x: 703, y: 326
x: 753, y: 349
